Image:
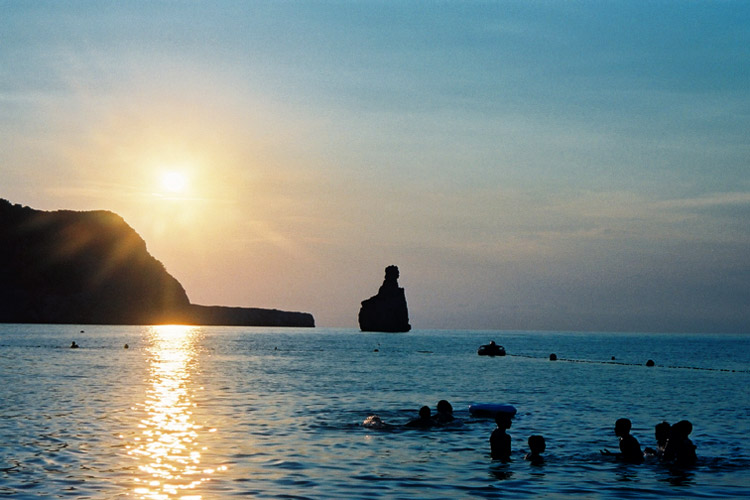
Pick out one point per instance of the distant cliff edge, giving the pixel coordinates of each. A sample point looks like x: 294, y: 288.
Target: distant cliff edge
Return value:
x: 93, y: 268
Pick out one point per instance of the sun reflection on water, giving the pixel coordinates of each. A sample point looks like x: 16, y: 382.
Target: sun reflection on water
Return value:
x: 168, y: 449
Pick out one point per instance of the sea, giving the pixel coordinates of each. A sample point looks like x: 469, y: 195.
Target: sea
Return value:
x: 229, y: 412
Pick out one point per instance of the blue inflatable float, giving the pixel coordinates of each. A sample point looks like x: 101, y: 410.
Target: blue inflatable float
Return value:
x: 491, y: 409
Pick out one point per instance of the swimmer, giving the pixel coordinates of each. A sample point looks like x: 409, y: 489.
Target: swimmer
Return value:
x: 499, y: 439
x: 73, y: 345
x: 680, y: 450
x: 444, y: 413
x: 374, y: 422
x: 536, y: 448
x: 424, y: 421
x: 630, y: 449
x: 661, y: 433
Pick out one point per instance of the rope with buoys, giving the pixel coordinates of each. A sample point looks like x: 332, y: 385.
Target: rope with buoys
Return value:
x: 649, y: 363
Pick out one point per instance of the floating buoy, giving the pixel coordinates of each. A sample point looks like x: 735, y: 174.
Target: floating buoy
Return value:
x: 553, y: 357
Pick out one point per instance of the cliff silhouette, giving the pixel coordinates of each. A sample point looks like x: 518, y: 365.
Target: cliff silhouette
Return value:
x: 71, y: 267
x: 386, y: 311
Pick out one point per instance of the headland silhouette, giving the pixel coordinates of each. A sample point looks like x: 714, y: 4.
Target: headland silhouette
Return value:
x: 69, y: 267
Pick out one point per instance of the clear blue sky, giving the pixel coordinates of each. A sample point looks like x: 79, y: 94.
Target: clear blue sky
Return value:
x: 527, y: 165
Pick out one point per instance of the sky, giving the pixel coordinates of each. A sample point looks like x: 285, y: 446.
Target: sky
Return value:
x: 551, y: 165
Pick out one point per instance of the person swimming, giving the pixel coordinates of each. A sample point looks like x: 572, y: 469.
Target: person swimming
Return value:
x: 424, y: 420
x: 536, y: 448
x: 661, y: 433
x: 375, y: 422
x: 73, y: 345
x: 630, y: 449
x: 679, y: 449
x: 499, y: 439
x: 444, y: 414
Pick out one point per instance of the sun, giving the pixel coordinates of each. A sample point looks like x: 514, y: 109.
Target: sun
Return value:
x: 174, y: 182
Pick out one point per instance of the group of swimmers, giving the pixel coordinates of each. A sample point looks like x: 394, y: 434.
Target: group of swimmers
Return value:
x: 444, y: 416
x: 425, y: 420
x: 673, y: 444
x: 500, y: 442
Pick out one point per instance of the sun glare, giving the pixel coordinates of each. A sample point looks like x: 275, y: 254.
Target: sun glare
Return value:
x: 174, y: 182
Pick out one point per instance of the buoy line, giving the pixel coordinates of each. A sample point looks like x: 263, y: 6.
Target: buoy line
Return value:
x: 569, y: 360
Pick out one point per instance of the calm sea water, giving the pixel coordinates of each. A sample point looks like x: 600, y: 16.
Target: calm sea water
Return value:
x: 216, y: 412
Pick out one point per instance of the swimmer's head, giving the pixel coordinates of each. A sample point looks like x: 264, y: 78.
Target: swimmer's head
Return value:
x: 502, y: 420
x: 661, y: 432
x: 682, y: 429
x: 537, y: 444
x: 373, y: 421
x: 622, y: 427
x: 444, y: 406
x: 425, y: 412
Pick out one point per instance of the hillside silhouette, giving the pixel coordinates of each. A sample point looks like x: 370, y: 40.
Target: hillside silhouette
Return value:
x: 92, y: 268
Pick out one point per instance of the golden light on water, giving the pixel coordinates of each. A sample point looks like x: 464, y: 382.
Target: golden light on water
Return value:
x: 168, y: 450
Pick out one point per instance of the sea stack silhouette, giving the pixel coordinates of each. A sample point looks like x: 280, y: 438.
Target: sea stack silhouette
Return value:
x: 386, y: 311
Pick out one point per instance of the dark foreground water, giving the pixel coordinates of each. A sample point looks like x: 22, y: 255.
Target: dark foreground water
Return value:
x: 275, y: 413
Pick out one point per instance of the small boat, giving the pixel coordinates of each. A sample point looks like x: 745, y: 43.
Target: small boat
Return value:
x: 491, y: 349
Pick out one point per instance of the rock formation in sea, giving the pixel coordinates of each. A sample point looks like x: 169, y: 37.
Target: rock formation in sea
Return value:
x: 93, y: 268
x: 386, y: 311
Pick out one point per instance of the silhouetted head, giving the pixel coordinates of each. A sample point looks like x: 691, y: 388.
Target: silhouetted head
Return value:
x: 444, y: 406
x: 425, y: 412
x: 391, y: 273
x: 682, y: 429
x: 502, y: 420
x: 622, y: 427
x: 537, y: 444
x: 661, y: 432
